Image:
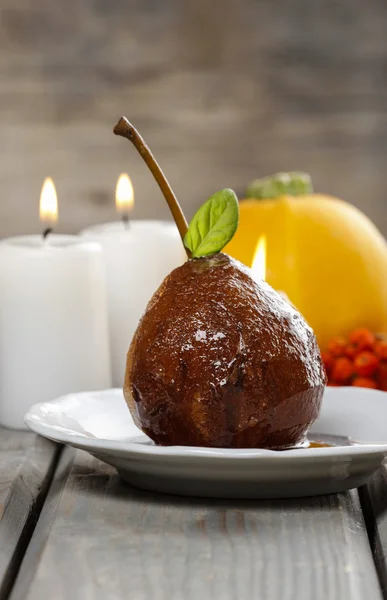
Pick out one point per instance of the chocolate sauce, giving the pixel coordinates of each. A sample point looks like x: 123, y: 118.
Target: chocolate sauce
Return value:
x: 328, y: 441
x: 320, y: 441
x: 319, y: 445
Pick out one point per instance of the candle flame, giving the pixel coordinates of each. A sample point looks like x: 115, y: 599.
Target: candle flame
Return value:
x: 124, y: 194
x: 259, y: 261
x: 48, y: 206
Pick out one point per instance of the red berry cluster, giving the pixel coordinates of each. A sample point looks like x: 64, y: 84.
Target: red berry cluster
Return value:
x: 360, y: 360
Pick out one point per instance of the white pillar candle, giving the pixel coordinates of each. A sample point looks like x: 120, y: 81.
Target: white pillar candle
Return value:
x: 53, y: 322
x: 138, y: 257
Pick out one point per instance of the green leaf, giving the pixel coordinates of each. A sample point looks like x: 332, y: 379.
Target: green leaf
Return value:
x: 294, y: 183
x: 214, y: 224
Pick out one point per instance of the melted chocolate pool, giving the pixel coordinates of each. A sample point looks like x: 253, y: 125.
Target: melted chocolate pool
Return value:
x: 328, y: 441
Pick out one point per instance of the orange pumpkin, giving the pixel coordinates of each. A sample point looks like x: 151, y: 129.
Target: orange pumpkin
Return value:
x: 323, y: 252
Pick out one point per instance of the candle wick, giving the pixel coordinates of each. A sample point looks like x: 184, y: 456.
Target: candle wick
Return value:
x: 125, y: 220
x: 47, y: 232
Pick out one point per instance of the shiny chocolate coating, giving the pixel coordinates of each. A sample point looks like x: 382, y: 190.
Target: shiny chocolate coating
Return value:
x: 223, y: 361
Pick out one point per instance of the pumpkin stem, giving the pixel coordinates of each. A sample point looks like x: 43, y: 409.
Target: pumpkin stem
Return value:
x: 295, y: 183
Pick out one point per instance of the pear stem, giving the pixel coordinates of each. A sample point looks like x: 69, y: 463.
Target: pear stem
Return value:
x: 126, y: 130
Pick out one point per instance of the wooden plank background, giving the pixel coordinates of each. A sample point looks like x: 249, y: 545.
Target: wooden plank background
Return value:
x: 27, y: 463
x: 223, y: 90
x: 374, y: 504
x: 98, y: 538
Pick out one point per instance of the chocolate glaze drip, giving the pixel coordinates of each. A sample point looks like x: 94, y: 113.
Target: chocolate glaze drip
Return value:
x: 220, y: 360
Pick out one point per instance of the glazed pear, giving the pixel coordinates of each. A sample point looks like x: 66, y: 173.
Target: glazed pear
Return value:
x: 219, y: 359
x: 223, y: 361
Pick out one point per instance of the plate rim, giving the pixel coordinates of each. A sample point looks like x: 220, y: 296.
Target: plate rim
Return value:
x: 65, y: 436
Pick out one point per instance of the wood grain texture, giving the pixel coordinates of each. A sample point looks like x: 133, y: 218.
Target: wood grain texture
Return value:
x: 26, y: 466
x: 374, y: 503
x: 223, y: 91
x: 35, y: 549
x: 107, y: 540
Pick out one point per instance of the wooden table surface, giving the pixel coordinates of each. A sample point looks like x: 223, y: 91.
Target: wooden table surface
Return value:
x: 71, y: 529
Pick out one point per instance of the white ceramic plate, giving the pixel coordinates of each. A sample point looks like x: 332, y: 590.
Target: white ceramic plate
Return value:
x: 100, y: 423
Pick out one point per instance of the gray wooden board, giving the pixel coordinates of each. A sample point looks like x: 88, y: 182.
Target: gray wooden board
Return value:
x: 26, y: 466
x: 98, y: 538
x: 374, y: 502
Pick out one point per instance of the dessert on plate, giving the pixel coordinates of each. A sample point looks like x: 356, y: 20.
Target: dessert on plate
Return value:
x: 219, y: 359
